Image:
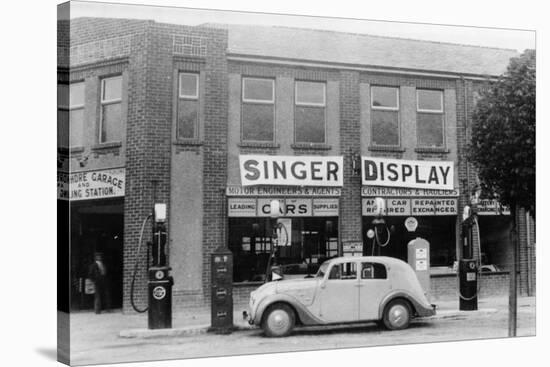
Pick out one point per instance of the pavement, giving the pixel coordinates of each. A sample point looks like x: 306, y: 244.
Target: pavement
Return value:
x: 194, y: 321
x: 115, y: 337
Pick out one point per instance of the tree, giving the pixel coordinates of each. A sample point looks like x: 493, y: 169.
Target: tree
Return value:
x: 502, y: 148
x: 503, y: 135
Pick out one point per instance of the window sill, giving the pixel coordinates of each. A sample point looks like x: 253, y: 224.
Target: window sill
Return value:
x: 311, y: 146
x: 76, y: 150
x: 259, y: 145
x: 431, y: 150
x: 188, y: 142
x: 191, y: 58
x: 110, y: 145
x: 248, y: 284
x: 375, y: 148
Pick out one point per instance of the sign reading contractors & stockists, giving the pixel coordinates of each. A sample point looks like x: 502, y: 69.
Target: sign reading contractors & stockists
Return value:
x: 406, y: 173
x: 291, y: 170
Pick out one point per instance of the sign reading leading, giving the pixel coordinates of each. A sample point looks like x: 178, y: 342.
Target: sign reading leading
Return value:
x: 405, y: 173
x: 291, y: 170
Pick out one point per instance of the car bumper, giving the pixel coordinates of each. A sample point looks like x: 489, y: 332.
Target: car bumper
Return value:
x: 248, y: 318
x: 425, y: 311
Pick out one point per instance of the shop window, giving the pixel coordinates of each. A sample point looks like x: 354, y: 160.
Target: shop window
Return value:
x: 430, y: 118
x: 188, y: 106
x: 385, y: 116
x: 110, y: 126
x: 70, y: 114
x: 494, y: 231
x: 312, y: 241
x: 439, y: 231
x: 258, y: 110
x: 309, y: 112
x: 373, y: 271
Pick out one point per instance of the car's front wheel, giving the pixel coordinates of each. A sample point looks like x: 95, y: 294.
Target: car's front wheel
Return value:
x: 397, y: 315
x: 278, y: 321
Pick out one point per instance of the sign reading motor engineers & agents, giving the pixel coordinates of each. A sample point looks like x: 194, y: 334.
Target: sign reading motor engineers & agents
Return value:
x: 405, y: 173
x: 291, y: 170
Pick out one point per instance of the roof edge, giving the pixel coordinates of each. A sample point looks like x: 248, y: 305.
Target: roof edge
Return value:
x: 233, y: 56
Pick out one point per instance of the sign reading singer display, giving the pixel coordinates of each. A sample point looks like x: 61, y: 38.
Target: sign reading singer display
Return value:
x: 291, y: 170
x: 405, y: 173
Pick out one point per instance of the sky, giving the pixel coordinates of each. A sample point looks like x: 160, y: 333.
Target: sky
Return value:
x: 480, y: 36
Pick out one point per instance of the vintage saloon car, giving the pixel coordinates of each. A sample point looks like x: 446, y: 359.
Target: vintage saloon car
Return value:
x: 344, y: 290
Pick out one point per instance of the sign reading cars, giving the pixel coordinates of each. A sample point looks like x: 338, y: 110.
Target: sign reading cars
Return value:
x: 291, y: 170
x: 407, y: 173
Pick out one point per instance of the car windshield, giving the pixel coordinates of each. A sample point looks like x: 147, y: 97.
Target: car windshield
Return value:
x: 322, y: 270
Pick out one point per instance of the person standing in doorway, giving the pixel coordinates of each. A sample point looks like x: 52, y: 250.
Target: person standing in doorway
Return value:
x: 97, y: 273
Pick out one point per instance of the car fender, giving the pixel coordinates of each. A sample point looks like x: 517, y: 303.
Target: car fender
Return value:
x: 305, y: 316
x: 418, y: 308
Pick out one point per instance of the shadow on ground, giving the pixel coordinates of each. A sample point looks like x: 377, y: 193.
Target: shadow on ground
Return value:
x: 50, y: 353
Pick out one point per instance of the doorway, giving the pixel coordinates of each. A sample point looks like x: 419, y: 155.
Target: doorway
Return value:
x: 96, y: 226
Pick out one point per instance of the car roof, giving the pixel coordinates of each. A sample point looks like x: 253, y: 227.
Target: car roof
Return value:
x: 380, y: 259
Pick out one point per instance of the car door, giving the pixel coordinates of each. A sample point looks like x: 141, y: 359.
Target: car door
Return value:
x: 339, y: 293
x: 373, y: 286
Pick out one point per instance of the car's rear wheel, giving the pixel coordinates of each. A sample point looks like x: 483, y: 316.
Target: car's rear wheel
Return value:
x: 279, y: 320
x: 397, y: 315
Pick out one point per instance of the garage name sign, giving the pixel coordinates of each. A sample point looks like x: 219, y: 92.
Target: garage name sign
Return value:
x: 289, y: 207
x: 414, y: 206
x: 291, y: 170
x: 100, y: 184
x: 406, y: 173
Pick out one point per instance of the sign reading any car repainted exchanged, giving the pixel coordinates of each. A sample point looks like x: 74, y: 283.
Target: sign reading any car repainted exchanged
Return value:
x: 407, y: 173
x: 291, y: 170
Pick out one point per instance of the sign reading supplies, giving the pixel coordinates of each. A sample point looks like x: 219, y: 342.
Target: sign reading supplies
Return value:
x: 405, y: 173
x: 291, y: 170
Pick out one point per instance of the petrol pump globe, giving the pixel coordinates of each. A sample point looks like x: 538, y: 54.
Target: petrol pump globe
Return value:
x: 379, y: 206
x: 275, y: 207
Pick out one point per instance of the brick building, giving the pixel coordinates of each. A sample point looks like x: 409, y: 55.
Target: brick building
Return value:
x: 169, y: 113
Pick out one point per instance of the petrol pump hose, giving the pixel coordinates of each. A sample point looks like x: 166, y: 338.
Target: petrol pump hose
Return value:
x: 136, y: 269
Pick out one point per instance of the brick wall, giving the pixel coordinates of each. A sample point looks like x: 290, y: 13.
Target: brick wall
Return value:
x: 350, y: 223
x: 215, y: 152
x: 445, y: 287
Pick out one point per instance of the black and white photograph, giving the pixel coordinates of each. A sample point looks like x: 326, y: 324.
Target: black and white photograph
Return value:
x: 253, y: 183
x: 234, y: 182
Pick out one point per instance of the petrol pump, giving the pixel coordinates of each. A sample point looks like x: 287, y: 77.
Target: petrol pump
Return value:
x: 418, y: 256
x: 379, y: 225
x: 468, y: 266
x: 160, y: 282
x: 280, y: 237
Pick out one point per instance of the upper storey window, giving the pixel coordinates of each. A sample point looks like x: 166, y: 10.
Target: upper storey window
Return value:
x: 385, y: 116
x: 110, y: 122
x: 71, y: 114
x: 310, y: 121
x: 430, y: 118
x: 188, y: 106
x: 258, y: 110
